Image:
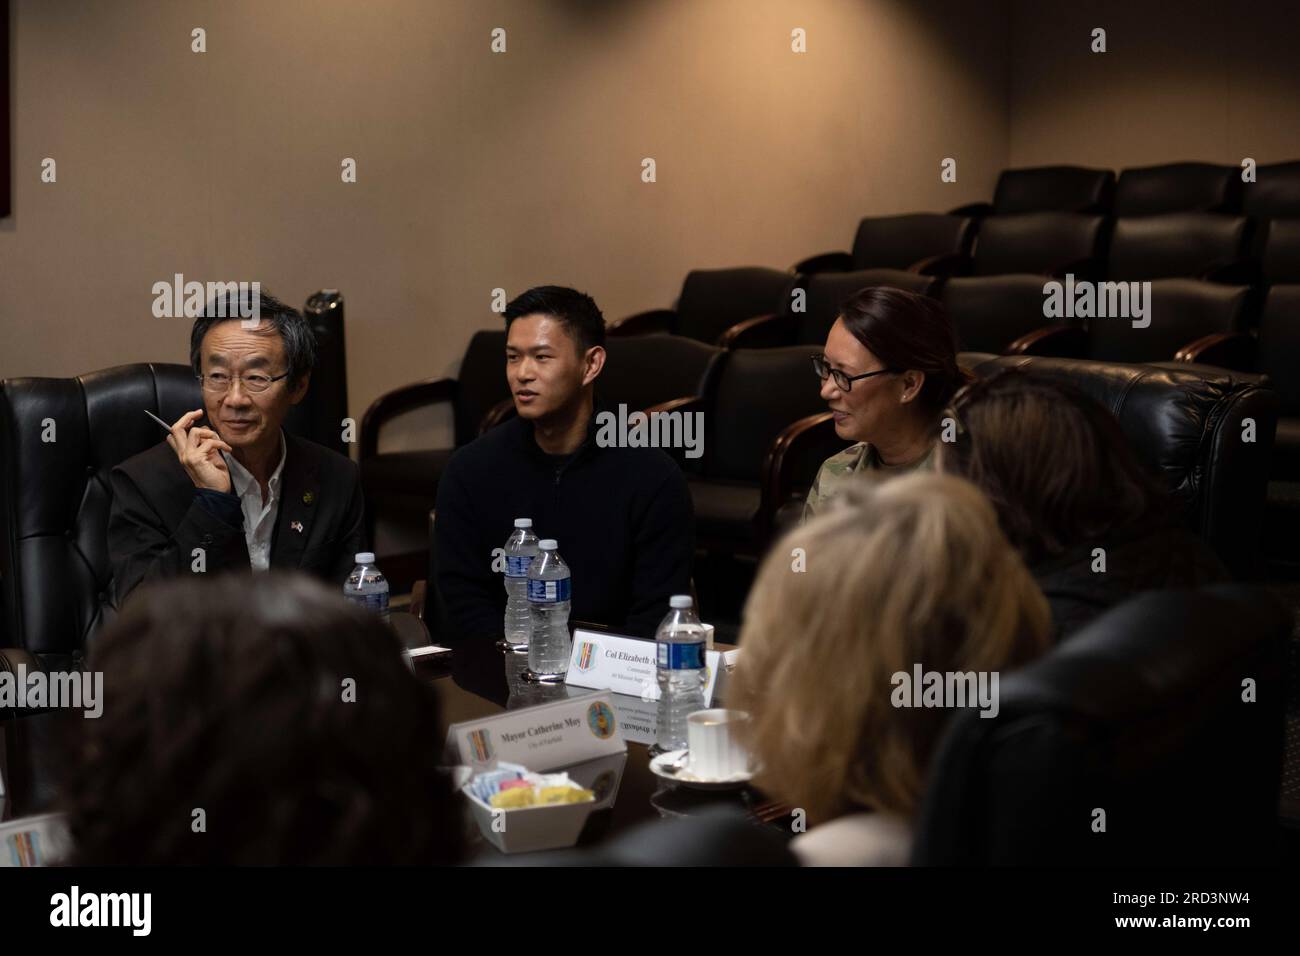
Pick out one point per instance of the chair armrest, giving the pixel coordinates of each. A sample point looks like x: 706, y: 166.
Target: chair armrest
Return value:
x: 760, y: 332
x: 947, y: 264
x: 497, y: 414
x: 646, y: 323
x: 1058, y: 341
x: 977, y: 210
x: 826, y: 262
x: 791, y: 464
x: 10, y: 660
x: 686, y: 405
x: 1233, y: 350
x: 417, y: 598
x: 682, y: 404
x: 391, y: 404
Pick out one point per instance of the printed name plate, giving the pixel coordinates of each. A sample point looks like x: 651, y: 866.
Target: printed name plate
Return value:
x: 625, y: 665
x: 541, y: 738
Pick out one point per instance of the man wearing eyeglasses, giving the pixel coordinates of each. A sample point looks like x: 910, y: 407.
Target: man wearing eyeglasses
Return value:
x: 237, y: 492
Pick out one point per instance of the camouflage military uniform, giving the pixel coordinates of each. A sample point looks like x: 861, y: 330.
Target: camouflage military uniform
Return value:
x: 855, y: 460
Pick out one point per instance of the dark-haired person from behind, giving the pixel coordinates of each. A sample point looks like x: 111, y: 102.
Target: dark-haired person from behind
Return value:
x: 622, y: 516
x: 1093, y: 525
x: 888, y: 369
x: 238, y: 492
x: 258, y: 720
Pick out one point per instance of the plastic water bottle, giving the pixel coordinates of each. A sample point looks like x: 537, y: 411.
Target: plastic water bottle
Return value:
x: 548, y: 602
x: 521, y: 548
x: 679, y: 646
x: 367, y: 585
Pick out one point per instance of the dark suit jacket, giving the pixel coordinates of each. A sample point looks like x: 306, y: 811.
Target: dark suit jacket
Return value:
x: 156, y: 520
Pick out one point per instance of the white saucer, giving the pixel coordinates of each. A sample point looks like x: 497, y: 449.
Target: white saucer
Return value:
x: 688, y: 779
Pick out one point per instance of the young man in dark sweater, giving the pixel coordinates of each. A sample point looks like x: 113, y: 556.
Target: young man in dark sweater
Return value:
x: 622, y: 517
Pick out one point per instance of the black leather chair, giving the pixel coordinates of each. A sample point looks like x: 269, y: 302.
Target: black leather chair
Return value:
x: 1279, y: 345
x: 1185, y: 423
x: 712, y: 301
x: 55, y: 578
x: 321, y: 413
x: 990, y: 313
x: 1178, y: 187
x: 1182, y: 245
x: 1281, y: 245
x: 1275, y: 193
x: 401, y: 486
x: 1139, y: 715
x: 1043, y: 243
x: 922, y: 242
x: 823, y: 294
x: 1183, y: 313
x: 646, y: 371
x: 1279, y: 359
x: 752, y: 396
x: 1048, y: 189
x: 1191, y: 321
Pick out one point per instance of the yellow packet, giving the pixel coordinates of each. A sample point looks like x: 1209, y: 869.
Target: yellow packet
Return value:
x: 514, y: 798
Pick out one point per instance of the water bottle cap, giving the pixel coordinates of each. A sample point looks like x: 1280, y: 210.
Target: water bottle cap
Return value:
x: 680, y: 601
x: 365, y: 557
x: 547, y: 544
x: 523, y: 522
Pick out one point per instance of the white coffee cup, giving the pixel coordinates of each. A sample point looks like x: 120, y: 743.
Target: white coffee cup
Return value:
x: 715, y: 749
x: 708, y: 636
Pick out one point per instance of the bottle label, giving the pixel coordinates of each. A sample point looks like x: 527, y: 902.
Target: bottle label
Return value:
x: 377, y: 602
x: 548, y: 592
x: 517, y: 565
x: 681, y: 657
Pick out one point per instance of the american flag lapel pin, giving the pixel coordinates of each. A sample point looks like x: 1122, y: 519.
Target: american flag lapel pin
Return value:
x: 296, y: 526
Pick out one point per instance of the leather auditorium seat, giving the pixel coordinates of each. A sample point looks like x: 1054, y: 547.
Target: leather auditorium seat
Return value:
x: 1048, y: 189
x: 1178, y: 187
x: 1141, y: 716
x: 918, y: 242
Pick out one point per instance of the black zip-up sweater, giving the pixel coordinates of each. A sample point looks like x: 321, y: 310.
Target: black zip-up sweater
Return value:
x: 622, y: 519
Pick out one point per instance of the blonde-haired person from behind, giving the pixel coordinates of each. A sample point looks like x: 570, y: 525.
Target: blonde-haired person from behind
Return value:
x: 910, y: 571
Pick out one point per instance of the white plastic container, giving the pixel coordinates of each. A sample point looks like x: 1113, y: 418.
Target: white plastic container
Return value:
x: 528, y: 829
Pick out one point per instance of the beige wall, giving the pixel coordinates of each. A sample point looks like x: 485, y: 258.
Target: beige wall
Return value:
x: 1209, y: 80
x: 475, y: 170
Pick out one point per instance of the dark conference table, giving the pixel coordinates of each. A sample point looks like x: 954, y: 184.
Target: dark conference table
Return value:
x: 481, y: 680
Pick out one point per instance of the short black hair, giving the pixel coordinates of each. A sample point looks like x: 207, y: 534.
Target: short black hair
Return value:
x: 576, y: 311
x: 295, y: 331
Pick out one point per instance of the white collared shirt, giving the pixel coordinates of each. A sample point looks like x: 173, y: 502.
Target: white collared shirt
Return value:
x: 259, y: 518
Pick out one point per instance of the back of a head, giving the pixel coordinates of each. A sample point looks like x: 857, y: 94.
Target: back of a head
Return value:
x: 258, y: 720
x: 910, y: 571
x: 1054, y: 462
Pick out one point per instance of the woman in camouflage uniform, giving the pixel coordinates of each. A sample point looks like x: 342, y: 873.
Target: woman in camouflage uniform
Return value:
x: 889, y: 368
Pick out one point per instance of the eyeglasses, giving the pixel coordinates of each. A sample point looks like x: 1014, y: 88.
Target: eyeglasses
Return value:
x: 218, y: 383
x: 843, y: 380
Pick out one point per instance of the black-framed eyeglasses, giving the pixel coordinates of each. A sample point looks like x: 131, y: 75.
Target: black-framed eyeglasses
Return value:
x: 843, y: 380
x: 218, y: 383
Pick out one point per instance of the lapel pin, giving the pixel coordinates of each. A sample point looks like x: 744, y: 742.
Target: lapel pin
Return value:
x: 296, y: 526
x: 308, y: 497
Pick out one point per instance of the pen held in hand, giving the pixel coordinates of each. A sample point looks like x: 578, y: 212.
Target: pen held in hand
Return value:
x: 167, y: 428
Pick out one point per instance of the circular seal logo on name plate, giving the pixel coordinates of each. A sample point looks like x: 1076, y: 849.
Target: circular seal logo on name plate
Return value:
x: 600, y: 720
